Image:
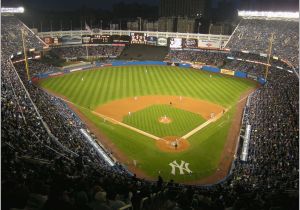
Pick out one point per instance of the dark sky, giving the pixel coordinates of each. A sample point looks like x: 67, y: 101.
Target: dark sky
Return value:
x: 107, y: 4
x: 75, y: 4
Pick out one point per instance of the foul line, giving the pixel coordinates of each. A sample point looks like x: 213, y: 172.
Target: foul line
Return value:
x: 192, y: 132
x: 127, y: 126
x: 189, y: 134
x: 115, y: 121
x: 218, y: 116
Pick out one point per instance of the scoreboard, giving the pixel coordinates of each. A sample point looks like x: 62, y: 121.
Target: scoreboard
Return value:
x: 96, y: 39
x: 138, y: 38
x: 99, y: 39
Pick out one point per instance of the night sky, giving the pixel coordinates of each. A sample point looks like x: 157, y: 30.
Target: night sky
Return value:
x: 59, y: 14
x: 107, y: 4
x: 75, y: 4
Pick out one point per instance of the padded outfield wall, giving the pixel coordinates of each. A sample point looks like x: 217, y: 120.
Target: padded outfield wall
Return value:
x: 212, y: 69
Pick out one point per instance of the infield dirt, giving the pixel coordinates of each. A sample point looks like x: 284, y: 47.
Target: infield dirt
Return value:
x: 167, y: 144
x: 227, y: 155
x: 119, y: 108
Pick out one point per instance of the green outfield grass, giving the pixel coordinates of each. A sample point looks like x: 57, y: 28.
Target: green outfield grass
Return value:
x: 147, y: 120
x: 92, y: 88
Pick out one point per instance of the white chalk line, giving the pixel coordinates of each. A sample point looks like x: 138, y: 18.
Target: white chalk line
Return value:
x: 116, y: 121
x: 189, y: 134
x: 218, y: 116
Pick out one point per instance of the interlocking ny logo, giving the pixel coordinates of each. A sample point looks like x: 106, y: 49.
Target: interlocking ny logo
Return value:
x: 183, y: 166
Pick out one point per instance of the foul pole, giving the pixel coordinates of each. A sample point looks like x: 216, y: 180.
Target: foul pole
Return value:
x: 269, y: 55
x: 87, y: 52
x: 25, y: 56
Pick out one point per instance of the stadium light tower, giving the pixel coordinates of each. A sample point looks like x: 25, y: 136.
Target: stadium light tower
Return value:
x: 268, y: 14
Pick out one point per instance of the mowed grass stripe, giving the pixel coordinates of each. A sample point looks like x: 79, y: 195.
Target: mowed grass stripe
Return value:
x: 194, y: 85
x: 110, y: 83
x: 216, y: 86
x: 159, y: 80
x: 228, y: 91
x: 213, y: 86
x: 65, y: 83
x: 180, y: 84
x: 83, y: 87
x: 105, y: 84
x: 153, y: 81
x: 90, y: 96
x: 175, y: 86
x: 145, y: 79
x: 112, y: 86
x: 98, y: 83
x: 148, y: 120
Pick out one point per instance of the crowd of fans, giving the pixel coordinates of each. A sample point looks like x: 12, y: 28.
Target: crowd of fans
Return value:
x: 48, y: 164
x: 254, y: 35
x: 273, y: 115
x: 84, y: 51
x: 232, y: 60
x: 204, y: 56
x: 11, y: 36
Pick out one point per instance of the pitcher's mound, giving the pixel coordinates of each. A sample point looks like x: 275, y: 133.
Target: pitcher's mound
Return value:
x: 168, y: 144
x: 165, y: 120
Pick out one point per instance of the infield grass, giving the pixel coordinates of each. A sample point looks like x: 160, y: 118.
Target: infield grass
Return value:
x: 148, y: 120
x: 92, y: 88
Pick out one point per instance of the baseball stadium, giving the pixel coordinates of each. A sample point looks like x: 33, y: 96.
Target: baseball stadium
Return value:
x: 148, y: 119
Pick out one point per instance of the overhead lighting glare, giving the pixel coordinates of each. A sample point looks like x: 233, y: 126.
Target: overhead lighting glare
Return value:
x: 12, y: 9
x: 268, y: 14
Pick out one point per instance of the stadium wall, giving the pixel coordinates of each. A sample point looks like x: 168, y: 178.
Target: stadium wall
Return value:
x: 212, y: 69
x: 239, y: 74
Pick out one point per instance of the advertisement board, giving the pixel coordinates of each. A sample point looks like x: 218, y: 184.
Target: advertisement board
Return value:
x: 117, y: 39
x: 175, y: 42
x: 189, y: 43
x: 151, y: 40
x: 252, y: 76
x: 162, y: 41
x: 209, y: 44
x: 227, y: 71
x: 138, y: 38
x: 66, y: 40
x: 86, y: 39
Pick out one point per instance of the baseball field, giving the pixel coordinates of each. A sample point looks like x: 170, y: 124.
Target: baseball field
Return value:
x: 175, y: 122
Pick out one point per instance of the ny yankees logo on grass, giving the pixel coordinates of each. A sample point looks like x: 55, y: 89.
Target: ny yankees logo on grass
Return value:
x: 184, y: 166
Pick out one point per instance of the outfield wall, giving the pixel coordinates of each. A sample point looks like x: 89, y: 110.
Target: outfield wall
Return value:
x: 212, y: 69
x: 239, y: 74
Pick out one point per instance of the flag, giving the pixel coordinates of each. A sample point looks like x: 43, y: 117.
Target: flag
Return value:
x: 87, y: 27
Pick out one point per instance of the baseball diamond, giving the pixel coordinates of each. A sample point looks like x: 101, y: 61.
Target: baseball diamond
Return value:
x: 151, y: 119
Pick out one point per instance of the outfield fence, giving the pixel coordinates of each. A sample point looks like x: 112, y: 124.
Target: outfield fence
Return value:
x: 93, y: 65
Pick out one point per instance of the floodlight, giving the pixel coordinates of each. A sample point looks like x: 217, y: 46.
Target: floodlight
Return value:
x: 12, y: 10
x: 268, y: 14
